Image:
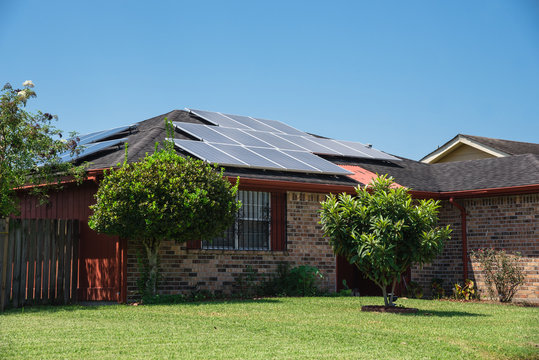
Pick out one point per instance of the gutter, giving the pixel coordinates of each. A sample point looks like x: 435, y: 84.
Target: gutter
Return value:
x: 464, y: 237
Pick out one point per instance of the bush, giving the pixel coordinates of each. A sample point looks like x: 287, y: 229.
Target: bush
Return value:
x: 437, y: 288
x: 466, y: 291
x: 414, y: 290
x: 298, y: 281
x: 503, y: 274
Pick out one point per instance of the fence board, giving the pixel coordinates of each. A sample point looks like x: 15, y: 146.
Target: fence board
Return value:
x: 67, y: 260
x: 17, y: 267
x: 24, y: 262
x: 75, y: 263
x: 39, y: 260
x: 4, y: 239
x: 46, y: 254
x: 31, y: 252
x: 54, y: 257
x: 10, y: 259
x: 61, y: 254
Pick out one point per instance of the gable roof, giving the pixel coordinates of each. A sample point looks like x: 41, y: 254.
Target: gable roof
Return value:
x: 507, y: 146
x: 490, y: 146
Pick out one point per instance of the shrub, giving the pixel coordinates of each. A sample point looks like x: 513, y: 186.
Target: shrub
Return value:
x: 298, y: 281
x: 466, y: 291
x: 503, y: 274
x: 414, y: 290
x: 437, y: 288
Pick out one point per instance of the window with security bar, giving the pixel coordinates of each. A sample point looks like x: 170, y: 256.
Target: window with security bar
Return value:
x: 251, y: 230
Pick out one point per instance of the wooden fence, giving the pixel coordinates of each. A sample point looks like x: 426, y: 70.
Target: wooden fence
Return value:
x: 38, y: 261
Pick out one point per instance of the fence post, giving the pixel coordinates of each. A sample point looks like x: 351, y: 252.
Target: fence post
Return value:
x: 4, y: 238
x: 75, y: 264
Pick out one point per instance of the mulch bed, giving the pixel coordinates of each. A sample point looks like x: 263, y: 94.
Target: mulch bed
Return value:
x: 389, y: 309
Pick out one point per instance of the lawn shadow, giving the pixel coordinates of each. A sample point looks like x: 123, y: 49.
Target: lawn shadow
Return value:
x: 97, y: 305
x: 440, y: 313
x: 222, y: 301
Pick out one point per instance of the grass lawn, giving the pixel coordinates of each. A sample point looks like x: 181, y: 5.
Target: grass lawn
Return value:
x: 286, y: 328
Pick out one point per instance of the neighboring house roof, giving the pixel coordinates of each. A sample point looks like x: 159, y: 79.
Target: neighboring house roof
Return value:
x: 468, y: 147
x: 512, y: 171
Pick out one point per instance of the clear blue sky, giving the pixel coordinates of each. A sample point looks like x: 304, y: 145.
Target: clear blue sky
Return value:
x: 405, y: 76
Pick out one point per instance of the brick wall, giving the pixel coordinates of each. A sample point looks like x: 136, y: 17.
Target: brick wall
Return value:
x: 502, y: 222
x: 184, y: 270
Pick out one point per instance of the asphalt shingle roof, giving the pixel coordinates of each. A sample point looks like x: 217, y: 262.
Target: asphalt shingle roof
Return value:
x: 452, y: 176
x: 507, y: 146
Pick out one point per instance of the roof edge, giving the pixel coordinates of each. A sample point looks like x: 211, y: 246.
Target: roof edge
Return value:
x: 454, y: 143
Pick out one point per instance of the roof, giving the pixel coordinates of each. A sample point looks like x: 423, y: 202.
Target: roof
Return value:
x: 515, y: 170
x: 489, y: 146
x: 508, y: 146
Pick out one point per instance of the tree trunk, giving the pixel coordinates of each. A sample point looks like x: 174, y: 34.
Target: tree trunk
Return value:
x: 152, y: 252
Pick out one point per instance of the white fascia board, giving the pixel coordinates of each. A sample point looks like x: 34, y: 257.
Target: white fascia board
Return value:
x: 456, y: 142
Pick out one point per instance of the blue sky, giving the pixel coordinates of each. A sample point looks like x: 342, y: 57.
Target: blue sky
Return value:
x: 405, y: 76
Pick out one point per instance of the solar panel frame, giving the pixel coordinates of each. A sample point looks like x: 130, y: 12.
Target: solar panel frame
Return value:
x: 309, y: 143
x: 274, y: 140
x: 282, y: 127
x: 252, y: 123
x: 207, y: 152
x: 248, y: 156
x: 326, y: 167
x: 103, y: 134
x: 208, y: 133
x: 90, y: 149
x: 218, y: 119
x: 375, y: 153
x: 285, y: 160
x: 340, y: 148
x: 242, y: 137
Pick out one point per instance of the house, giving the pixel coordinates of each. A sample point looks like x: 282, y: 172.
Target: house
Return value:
x: 284, y: 175
x: 469, y: 147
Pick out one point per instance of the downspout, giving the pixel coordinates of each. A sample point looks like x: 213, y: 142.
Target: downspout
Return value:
x: 464, y: 237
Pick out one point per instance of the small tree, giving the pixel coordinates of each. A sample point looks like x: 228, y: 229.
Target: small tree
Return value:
x: 382, y: 231
x: 164, y: 196
x: 503, y: 273
x: 29, y: 148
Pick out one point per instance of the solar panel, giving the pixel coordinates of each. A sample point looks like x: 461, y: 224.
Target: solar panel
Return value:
x: 253, y: 123
x: 218, y: 119
x: 104, y: 134
x: 249, y: 157
x: 323, y: 165
x: 241, y: 136
x: 282, y: 127
x: 90, y: 149
x: 208, y: 133
x: 285, y: 160
x: 274, y: 140
x: 339, y: 148
x: 309, y: 143
x: 375, y: 153
x: 207, y: 152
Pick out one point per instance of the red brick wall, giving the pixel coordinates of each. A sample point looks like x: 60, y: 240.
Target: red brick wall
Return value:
x: 183, y: 270
x: 502, y: 222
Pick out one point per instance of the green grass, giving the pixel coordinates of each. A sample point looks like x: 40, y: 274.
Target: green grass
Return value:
x: 284, y: 328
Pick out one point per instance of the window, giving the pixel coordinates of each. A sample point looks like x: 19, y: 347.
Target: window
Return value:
x: 251, y: 230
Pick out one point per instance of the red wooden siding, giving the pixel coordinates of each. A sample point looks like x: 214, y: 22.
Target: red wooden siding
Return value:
x: 100, y: 256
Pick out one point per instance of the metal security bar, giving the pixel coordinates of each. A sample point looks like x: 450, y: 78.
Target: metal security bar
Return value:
x: 251, y: 230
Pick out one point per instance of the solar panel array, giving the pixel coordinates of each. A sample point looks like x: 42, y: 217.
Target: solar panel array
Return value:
x: 242, y: 141
x: 90, y: 149
x: 97, y: 141
x: 259, y: 158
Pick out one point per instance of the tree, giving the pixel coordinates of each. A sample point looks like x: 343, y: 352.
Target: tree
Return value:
x: 29, y: 148
x: 383, y: 231
x: 164, y: 196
